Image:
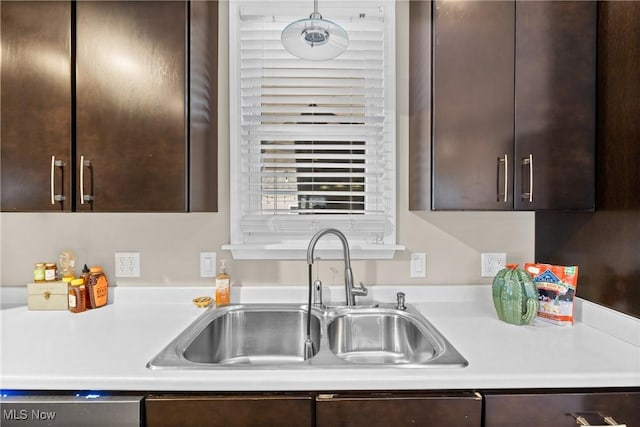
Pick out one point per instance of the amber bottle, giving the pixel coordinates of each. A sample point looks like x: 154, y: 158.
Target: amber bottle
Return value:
x: 77, y: 296
x: 223, y: 286
x: 98, y: 287
x: 85, y: 278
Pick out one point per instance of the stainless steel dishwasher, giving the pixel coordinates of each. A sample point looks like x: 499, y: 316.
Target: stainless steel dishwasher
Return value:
x: 40, y: 408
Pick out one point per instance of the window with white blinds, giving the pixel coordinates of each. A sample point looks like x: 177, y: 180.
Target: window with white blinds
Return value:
x: 312, y: 142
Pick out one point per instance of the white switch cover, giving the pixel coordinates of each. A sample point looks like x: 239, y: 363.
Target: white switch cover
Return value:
x: 127, y: 264
x: 418, y: 265
x: 207, y: 264
x: 492, y: 262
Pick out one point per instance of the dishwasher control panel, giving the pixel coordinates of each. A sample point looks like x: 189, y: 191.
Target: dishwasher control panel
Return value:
x: 28, y: 409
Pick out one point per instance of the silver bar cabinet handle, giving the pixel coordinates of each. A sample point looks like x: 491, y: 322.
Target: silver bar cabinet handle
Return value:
x: 504, y: 160
x: 582, y: 421
x: 610, y: 421
x: 506, y: 178
x: 84, y: 197
x: 55, y: 197
x: 529, y: 161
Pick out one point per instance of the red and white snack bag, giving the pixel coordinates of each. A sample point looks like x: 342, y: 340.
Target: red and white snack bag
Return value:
x: 556, y: 286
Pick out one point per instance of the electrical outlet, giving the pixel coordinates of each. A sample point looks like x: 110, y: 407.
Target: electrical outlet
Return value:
x: 127, y: 264
x: 418, y: 265
x: 492, y: 262
x: 207, y: 264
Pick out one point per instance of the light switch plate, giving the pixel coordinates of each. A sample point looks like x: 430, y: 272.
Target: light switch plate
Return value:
x: 207, y: 264
x: 418, y: 265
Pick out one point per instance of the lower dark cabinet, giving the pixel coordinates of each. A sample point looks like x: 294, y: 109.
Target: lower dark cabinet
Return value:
x: 492, y: 408
x: 398, y: 409
x: 237, y: 410
x: 561, y: 409
x: 345, y: 409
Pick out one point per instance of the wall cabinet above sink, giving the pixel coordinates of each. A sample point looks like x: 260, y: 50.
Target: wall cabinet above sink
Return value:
x: 99, y: 111
x: 502, y: 105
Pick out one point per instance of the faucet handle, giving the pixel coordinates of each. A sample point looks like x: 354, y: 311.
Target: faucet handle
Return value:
x: 400, y: 301
x: 317, y: 292
x: 359, y: 290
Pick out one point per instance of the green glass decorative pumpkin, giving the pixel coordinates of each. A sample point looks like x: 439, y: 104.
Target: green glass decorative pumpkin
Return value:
x: 515, y: 296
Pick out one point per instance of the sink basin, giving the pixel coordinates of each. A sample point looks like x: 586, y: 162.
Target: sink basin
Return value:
x: 245, y: 335
x: 253, y: 336
x: 380, y: 337
x: 386, y: 336
x: 268, y: 336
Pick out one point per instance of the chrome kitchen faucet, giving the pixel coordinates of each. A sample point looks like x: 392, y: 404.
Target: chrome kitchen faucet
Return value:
x: 350, y: 290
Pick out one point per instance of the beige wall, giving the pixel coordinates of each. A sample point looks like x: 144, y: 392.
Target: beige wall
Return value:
x: 170, y: 243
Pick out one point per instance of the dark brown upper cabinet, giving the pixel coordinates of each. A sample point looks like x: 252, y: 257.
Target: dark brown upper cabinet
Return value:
x: 116, y: 107
x: 35, y: 106
x: 509, y: 122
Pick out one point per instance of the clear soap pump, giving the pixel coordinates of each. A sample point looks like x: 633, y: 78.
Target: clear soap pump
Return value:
x: 223, y: 285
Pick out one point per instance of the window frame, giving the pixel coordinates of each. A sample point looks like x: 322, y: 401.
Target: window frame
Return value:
x: 290, y: 246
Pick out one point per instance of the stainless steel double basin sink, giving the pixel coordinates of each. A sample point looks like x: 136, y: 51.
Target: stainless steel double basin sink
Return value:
x: 263, y: 336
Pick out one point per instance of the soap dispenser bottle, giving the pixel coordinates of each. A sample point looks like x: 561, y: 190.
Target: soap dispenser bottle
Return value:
x: 223, y: 286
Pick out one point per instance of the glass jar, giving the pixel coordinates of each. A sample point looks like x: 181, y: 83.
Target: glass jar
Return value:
x: 50, y: 272
x: 77, y: 296
x: 38, y: 272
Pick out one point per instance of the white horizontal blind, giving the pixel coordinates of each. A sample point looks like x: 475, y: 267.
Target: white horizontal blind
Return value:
x: 316, y: 142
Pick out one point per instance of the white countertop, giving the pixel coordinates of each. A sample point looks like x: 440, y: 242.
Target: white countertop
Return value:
x: 108, y: 348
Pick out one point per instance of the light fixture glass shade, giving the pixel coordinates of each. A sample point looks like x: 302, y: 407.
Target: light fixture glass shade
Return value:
x: 315, y: 38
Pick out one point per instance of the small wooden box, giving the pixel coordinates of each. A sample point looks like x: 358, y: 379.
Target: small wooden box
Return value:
x: 48, y: 296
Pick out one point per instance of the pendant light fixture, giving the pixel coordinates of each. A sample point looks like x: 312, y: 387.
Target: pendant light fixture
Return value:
x: 315, y: 38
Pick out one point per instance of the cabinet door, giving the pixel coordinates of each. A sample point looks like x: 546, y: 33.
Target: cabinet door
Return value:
x: 35, y: 106
x: 473, y: 54
x: 561, y: 409
x: 606, y: 243
x: 130, y: 105
x: 229, y: 410
x: 555, y: 83
x: 398, y: 409
x: 203, y: 106
x: 419, y: 105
